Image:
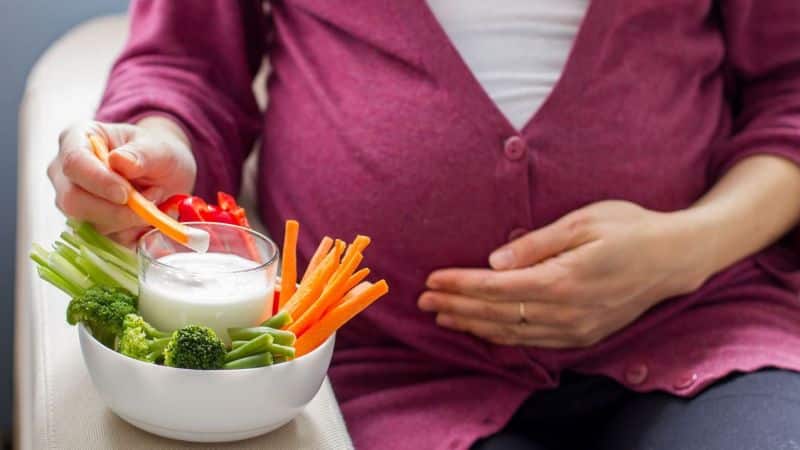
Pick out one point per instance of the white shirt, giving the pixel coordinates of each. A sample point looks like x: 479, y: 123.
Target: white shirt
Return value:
x: 516, y: 49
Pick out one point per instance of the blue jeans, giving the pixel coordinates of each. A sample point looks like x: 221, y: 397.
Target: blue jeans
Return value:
x: 755, y: 411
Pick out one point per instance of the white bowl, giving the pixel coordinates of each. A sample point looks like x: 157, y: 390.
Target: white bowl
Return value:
x: 204, y: 405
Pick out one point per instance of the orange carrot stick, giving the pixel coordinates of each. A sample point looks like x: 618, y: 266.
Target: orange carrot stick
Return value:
x: 356, y: 278
x: 332, y: 293
x: 289, y: 262
x: 193, y: 238
x: 337, y: 317
x: 324, y: 247
x: 361, y: 242
x: 339, y: 247
x: 310, y: 292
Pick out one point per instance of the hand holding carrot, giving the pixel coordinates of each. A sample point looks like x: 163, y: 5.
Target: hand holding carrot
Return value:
x: 153, y: 155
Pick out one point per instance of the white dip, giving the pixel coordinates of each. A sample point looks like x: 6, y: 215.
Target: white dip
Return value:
x: 199, y: 288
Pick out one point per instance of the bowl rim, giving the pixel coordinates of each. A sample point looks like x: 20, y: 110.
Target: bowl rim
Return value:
x: 82, y: 329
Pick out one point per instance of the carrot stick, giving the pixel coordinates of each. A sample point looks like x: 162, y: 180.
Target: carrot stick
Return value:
x: 337, y: 317
x: 309, y: 292
x: 193, y: 238
x: 332, y: 293
x: 360, y: 243
x: 289, y: 262
x: 356, y: 278
x: 324, y: 247
x: 339, y: 247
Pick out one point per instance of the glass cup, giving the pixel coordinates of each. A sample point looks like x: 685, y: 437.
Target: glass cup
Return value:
x: 230, y: 286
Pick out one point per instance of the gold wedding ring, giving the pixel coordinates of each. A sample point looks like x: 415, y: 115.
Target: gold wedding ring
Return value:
x: 522, y: 319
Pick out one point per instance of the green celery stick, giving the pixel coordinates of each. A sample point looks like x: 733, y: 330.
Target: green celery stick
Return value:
x: 256, y: 345
x: 67, y: 252
x: 278, y: 321
x: 53, y: 278
x: 66, y: 270
x: 281, y: 350
x: 282, y: 337
x: 97, y: 275
x: 249, y: 362
x: 237, y: 344
x: 88, y: 233
x: 119, y: 276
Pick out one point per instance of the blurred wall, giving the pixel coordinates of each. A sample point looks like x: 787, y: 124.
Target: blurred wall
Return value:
x: 27, y: 27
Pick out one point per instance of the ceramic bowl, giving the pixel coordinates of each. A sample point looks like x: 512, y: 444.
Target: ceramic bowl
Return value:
x: 204, y: 405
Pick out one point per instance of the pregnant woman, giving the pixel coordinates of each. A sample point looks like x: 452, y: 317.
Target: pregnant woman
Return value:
x: 586, y: 210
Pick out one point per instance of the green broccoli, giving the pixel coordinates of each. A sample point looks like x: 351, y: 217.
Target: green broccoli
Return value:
x: 103, y: 310
x: 140, y: 340
x: 195, y: 347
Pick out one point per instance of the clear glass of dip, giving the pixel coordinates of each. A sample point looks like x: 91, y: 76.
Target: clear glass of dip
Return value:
x: 231, y: 285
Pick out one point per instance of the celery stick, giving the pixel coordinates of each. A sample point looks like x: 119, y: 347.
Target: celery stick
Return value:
x: 237, y: 344
x: 259, y: 360
x: 253, y: 346
x: 97, y: 275
x: 53, y: 278
x: 118, y: 262
x: 78, y: 242
x: 281, y: 337
x: 67, y: 252
x: 281, y: 350
x: 278, y: 321
x: 119, y: 276
x: 88, y: 233
x: 72, y: 239
x: 39, y: 255
x: 67, y: 271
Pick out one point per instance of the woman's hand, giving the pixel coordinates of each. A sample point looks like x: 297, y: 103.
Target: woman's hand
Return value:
x: 153, y: 155
x: 572, y: 283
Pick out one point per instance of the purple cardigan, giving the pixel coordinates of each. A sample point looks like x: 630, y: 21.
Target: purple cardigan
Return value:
x: 376, y: 126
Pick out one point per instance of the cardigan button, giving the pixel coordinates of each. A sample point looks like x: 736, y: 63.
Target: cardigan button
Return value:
x: 514, y: 148
x: 685, y: 381
x: 636, y: 374
x: 516, y: 233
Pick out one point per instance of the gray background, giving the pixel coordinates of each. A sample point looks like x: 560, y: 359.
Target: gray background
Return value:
x: 27, y: 27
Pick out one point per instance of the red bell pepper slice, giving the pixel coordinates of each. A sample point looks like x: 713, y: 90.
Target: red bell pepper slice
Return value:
x: 171, y: 204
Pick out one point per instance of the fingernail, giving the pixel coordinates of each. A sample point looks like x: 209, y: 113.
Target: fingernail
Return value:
x: 119, y: 195
x: 425, y: 303
x: 131, y: 157
x: 445, y: 321
x: 502, y: 259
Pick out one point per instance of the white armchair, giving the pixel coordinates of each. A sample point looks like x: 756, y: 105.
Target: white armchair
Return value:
x: 55, y: 403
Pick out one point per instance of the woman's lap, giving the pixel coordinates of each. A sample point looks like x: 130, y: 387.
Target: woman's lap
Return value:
x: 760, y: 410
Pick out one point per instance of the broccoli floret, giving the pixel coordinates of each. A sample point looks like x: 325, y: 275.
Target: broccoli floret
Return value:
x: 140, y: 340
x: 103, y: 310
x: 195, y: 347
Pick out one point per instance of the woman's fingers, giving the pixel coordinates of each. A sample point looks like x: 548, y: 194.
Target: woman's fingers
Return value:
x: 76, y: 202
x: 77, y: 162
x: 503, y: 333
x: 524, y: 334
x: 564, y: 234
x: 143, y: 161
x: 547, y: 282
x: 563, y: 315
x: 459, y: 305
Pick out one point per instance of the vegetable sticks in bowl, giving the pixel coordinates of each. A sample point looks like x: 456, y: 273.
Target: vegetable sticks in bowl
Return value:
x: 331, y: 292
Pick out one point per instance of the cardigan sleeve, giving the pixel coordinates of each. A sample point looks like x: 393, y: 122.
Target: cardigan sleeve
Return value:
x: 194, y: 61
x: 763, y: 45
